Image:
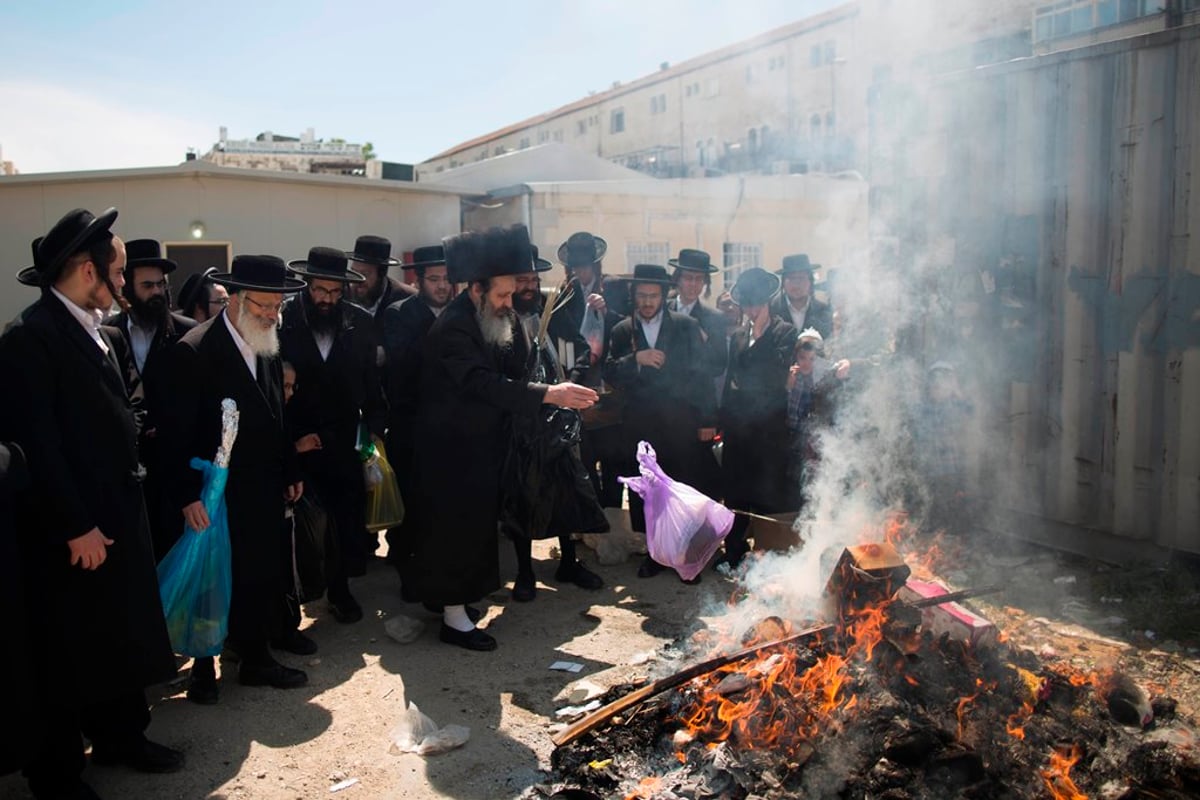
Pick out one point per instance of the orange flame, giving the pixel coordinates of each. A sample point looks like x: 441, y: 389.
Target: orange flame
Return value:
x: 1015, y: 725
x: 961, y: 712
x: 1057, y: 775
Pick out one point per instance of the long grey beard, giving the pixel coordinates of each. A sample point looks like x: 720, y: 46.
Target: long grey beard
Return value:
x: 496, y: 330
x: 263, y: 341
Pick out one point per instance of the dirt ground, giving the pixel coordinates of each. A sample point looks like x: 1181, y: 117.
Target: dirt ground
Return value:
x: 277, y: 745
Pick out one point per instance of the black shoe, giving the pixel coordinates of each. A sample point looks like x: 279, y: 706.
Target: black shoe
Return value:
x: 143, y: 756
x: 203, y: 691
x: 345, y: 610
x: 296, y: 643
x: 273, y: 674
x: 524, y: 588
x: 649, y: 568
x: 579, y: 575
x: 473, y: 613
x: 473, y: 639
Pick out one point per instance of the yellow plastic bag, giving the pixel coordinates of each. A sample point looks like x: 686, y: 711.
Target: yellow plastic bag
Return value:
x: 385, y: 507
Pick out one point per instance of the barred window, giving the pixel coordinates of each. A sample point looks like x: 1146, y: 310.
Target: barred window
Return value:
x: 739, y: 257
x: 646, y: 253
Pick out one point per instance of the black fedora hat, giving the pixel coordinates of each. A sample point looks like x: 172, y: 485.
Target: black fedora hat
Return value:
x: 694, y: 261
x: 478, y: 255
x: 147, y: 253
x: 30, y: 276
x: 581, y: 249
x: 431, y: 256
x: 540, y: 264
x: 649, y: 273
x: 327, y: 264
x: 372, y: 250
x: 797, y: 263
x: 189, y: 293
x: 755, y: 287
x: 258, y: 274
x: 77, y: 230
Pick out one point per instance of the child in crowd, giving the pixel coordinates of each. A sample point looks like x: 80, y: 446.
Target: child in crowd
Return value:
x: 811, y: 386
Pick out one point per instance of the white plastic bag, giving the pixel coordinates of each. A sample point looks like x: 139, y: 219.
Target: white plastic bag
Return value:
x: 592, y: 329
x: 419, y: 734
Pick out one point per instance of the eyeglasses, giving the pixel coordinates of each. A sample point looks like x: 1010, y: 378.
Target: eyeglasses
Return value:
x: 271, y: 308
x: 222, y: 302
x: 319, y: 292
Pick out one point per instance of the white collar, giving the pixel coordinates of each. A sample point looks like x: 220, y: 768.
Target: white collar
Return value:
x: 90, y: 320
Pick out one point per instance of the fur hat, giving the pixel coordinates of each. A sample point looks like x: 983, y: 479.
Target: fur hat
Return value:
x: 479, y: 255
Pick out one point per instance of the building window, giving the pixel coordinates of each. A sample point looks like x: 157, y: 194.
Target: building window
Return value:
x: 581, y: 127
x: 829, y: 124
x: 814, y: 126
x: 658, y: 104
x: 814, y: 56
x: 700, y: 152
x: 616, y: 121
x: 714, y: 87
x: 830, y: 52
x: 739, y: 257
x: 524, y: 142
x: 752, y: 140
x: 646, y: 253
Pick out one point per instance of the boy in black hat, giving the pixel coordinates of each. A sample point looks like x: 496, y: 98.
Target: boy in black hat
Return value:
x: 200, y: 298
x: 84, y: 541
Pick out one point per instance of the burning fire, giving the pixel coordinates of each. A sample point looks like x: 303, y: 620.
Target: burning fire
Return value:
x: 1057, y: 775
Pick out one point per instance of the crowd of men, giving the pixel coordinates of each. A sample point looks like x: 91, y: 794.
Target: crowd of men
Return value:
x: 103, y: 415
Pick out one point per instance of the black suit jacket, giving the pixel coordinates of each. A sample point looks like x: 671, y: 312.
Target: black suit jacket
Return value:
x: 572, y: 318
x: 405, y: 324
x: 819, y: 315
x: 152, y: 383
x: 715, y: 327
x: 64, y: 404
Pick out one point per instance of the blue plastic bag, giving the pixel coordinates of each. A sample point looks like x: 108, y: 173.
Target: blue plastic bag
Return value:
x: 683, y: 526
x: 195, y: 579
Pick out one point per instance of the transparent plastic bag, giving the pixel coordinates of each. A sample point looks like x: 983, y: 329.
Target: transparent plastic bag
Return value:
x: 684, y: 527
x: 385, y: 506
x: 195, y: 579
x: 592, y: 329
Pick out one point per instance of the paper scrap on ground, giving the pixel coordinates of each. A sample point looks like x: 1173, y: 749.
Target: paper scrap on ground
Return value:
x: 572, y: 711
x: 567, y: 666
x: 346, y: 784
x: 403, y: 629
x: 419, y: 734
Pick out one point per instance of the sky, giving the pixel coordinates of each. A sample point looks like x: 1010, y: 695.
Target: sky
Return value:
x: 129, y: 83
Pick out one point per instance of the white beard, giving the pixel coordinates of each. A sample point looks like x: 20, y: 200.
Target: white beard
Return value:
x: 497, y: 331
x: 262, y: 341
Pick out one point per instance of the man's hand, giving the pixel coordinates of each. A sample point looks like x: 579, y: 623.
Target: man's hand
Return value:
x: 196, y: 516
x: 294, y: 492
x: 570, y: 395
x: 650, y: 358
x: 842, y: 369
x: 597, y: 302
x: 707, y: 434
x: 309, y: 441
x: 90, y: 550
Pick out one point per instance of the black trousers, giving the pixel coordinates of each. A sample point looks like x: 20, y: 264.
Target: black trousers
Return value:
x: 605, y: 455
x: 115, y: 722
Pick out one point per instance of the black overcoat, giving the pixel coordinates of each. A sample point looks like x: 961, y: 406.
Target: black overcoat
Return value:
x: 96, y: 631
x: 715, y: 327
x: 754, y: 420
x: 819, y: 315
x: 207, y: 367
x: 468, y: 392
x: 17, y: 669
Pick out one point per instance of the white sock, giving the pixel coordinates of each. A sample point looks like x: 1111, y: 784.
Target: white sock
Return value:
x: 456, y: 617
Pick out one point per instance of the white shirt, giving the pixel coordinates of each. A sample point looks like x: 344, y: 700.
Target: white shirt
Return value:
x: 798, y: 316
x: 243, y: 348
x: 682, y: 309
x: 139, y: 340
x: 651, y: 328
x: 90, y: 320
x: 324, y: 344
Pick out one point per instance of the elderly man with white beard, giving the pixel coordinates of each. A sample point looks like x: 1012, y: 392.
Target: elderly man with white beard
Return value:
x: 236, y: 355
x: 471, y: 383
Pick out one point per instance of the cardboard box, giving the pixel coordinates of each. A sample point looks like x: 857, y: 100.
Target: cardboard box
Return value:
x: 959, y: 622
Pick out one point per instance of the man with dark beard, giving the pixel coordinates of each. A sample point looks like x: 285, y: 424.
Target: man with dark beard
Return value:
x: 528, y: 303
x: 372, y: 257
x: 405, y: 323
x: 151, y: 329
x: 331, y: 343
x: 470, y: 384
x: 236, y: 355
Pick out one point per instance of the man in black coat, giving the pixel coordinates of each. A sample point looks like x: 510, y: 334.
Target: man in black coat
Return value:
x: 796, y: 305
x: 754, y: 410
x: 372, y: 257
x: 85, y: 551
x: 235, y: 355
x: 331, y: 344
x: 150, y: 330
x: 18, y: 669
x: 469, y: 389
x: 658, y: 359
x: 405, y: 324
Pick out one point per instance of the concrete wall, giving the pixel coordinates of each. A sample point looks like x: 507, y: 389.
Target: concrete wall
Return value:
x: 256, y: 212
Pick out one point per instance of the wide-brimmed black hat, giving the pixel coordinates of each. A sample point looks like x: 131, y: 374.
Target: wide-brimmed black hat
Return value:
x: 797, y: 263
x: 147, y: 253
x: 649, y: 273
x: 327, y: 264
x: 258, y: 274
x: 540, y: 264
x: 478, y: 255
x: 693, y: 261
x: 372, y: 250
x: 29, y: 276
x: 76, y: 231
x: 189, y: 293
x: 581, y: 249
x: 754, y: 287
x: 431, y: 256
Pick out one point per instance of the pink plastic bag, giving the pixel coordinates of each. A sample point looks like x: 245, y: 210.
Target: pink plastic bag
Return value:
x: 683, y: 527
